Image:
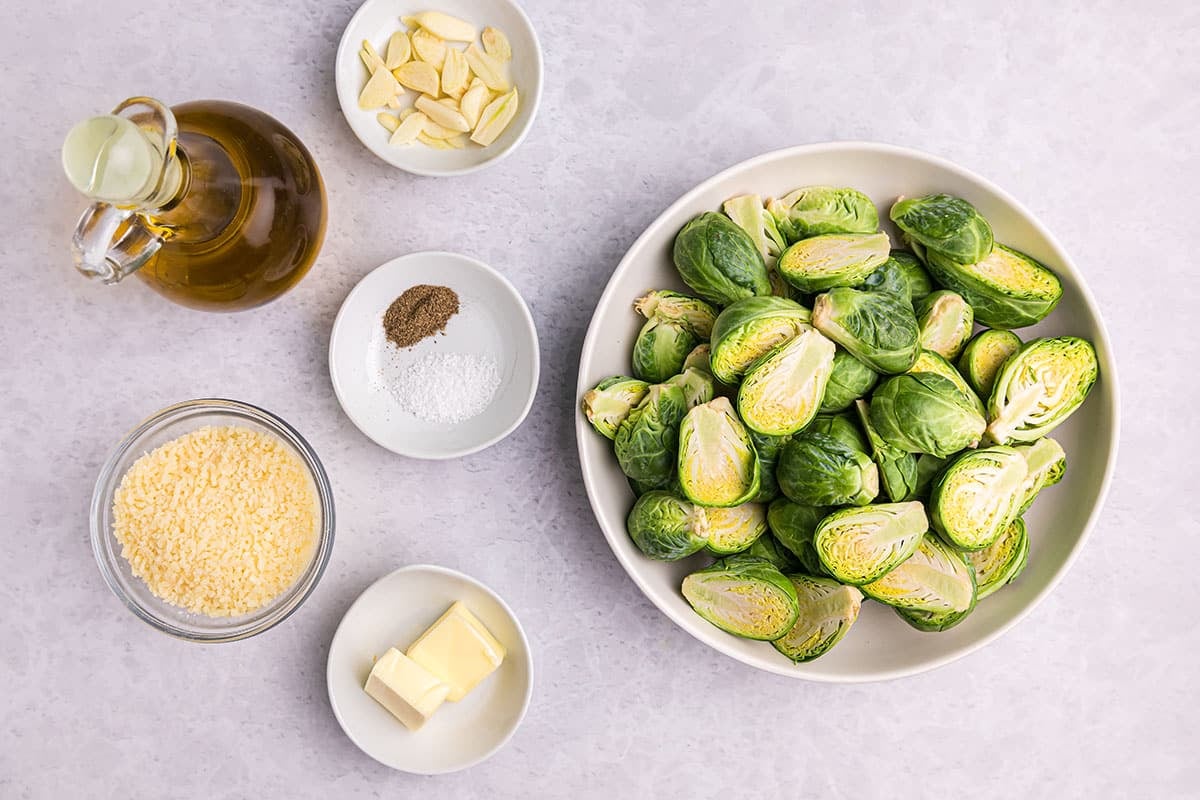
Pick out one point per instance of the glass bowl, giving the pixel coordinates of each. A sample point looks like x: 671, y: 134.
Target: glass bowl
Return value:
x: 168, y: 424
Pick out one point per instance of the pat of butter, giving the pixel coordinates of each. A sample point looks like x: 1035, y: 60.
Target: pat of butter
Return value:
x: 405, y: 688
x: 459, y: 650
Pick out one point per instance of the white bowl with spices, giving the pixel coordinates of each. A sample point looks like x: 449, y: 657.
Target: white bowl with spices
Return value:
x: 454, y: 371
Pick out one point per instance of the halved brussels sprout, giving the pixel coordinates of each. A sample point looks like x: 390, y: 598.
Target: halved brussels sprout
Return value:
x: 948, y: 226
x: 719, y: 261
x: 1046, y: 463
x: 901, y: 274
x: 1000, y: 563
x: 782, y: 390
x: 842, y: 427
x: 827, y: 610
x: 749, y: 213
x: 698, y: 385
x: 691, y: 313
x: 768, y: 548
x: 660, y: 349
x: 833, y: 259
x: 930, y: 362
x: 816, y: 469
x: 817, y: 210
x: 982, y: 357
x: 925, y: 413
x: 878, y: 328
x: 749, y: 329
x: 1039, y: 386
x: 732, y: 530
x: 1006, y: 288
x: 935, y: 578
x: 860, y: 545
x: 647, y: 438
x: 717, y: 462
x: 611, y: 401
x: 849, y: 380
x: 744, y: 595
x: 768, y: 448
x: 945, y: 322
x: 794, y: 526
x: 665, y: 527
x: 897, y: 468
x: 977, y: 496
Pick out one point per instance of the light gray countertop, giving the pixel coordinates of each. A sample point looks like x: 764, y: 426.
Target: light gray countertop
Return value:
x: 1087, y: 113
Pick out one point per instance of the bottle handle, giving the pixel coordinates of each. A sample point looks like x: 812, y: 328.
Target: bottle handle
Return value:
x: 111, y: 242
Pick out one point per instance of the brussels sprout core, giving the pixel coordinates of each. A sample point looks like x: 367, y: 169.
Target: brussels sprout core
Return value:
x: 935, y: 579
x: 945, y: 321
x: 718, y: 465
x: 745, y: 596
x: 611, y: 401
x: 978, y: 496
x: 781, y: 392
x: 732, y: 530
x: 860, y: 545
x: 1039, y: 387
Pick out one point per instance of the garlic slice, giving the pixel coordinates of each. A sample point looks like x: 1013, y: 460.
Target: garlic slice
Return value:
x: 443, y: 26
x: 389, y: 121
x: 399, y: 50
x: 496, y: 45
x: 489, y: 70
x: 379, y: 90
x: 455, y: 72
x: 418, y: 76
x: 472, y: 103
x: 495, y: 118
x: 429, y: 48
x: 409, y: 130
x: 443, y: 115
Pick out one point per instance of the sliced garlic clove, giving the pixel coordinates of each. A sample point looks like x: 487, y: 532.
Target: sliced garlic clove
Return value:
x: 455, y: 72
x: 443, y: 26
x: 389, y: 121
x: 495, y: 44
x: 381, y: 88
x: 495, y: 118
x: 418, y: 76
x: 436, y: 144
x: 399, y: 50
x: 371, y: 60
x: 489, y: 70
x: 395, y: 102
x: 443, y: 115
x: 429, y: 48
x: 472, y: 103
x: 409, y: 129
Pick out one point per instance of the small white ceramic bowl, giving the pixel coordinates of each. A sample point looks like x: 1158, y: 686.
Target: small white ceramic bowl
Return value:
x: 393, y: 612
x: 376, y: 20
x: 493, y: 321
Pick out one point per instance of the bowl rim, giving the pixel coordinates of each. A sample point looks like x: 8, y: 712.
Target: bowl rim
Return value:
x: 344, y: 51
x: 1103, y: 347
x: 527, y: 695
x: 530, y: 338
x: 107, y: 480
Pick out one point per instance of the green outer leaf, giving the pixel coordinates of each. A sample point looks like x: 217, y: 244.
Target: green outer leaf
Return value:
x: 794, y: 526
x: 768, y: 548
x: 978, y: 496
x: 878, y: 328
x: 999, y: 564
x: 946, y: 225
x: 706, y: 437
x: 945, y: 322
x: 999, y: 304
x: 982, y: 357
x: 647, y: 439
x: 897, y: 469
x: 928, y: 468
x: 768, y: 448
x: 748, y: 213
x: 749, y: 329
x: 861, y: 545
x: 935, y: 578
x: 849, y: 380
x: 925, y: 413
x: 719, y: 261
x: 698, y: 385
x: 665, y: 527
x: 833, y: 259
x: 690, y: 313
x: 1020, y: 409
x: 827, y: 611
x: 610, y: 402
x: 841, y: 426
x: 930, y: 362
x: 816, y: 210
x: 818, y: 470
x: 933, y: 622
x: 744, y: 595
x: 781, y: 391
x: 901, y: 274
x: 732, y: 530
x: 660, y: 350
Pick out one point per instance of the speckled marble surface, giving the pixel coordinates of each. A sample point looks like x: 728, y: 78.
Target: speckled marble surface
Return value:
x: 1087, y: 112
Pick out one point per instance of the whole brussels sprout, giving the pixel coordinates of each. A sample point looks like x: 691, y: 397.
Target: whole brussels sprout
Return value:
x: 1006, y: 288
x: 818, y: 470
x: 794, y: 526
x: 1045, y: 462
x: 732, y: 530
x: 827, y: 610
x: 719, y: 261
x: 945, y: 322
x: 610, y: 402
x: 978, y: 496
x: 897, y: 468
x: 660, y: 349
x: 861, y: 545
x: 718, y: 465
x: 744, y: 595
x: 749, y: 329
x: 930, y: 362
x: 647, y: 438
x: 782, y: 390
x: 817, y: 210
x: 982, y: 357
x: 925, y: 413
x: 901, y: 274
x: 665, y: 527
x: 849, y: 380
x: 690, y: 313
x: 768, y: 448
x: 842, y: 427
x: 768, y: 548
x: 748, y: 213
x: 945, y: 225
x: 1000, y: 563
x: 1039, y: 386
x: 934, y: 578
x: 878, y: 328
x: 698, y: 385
x: 833, y: 259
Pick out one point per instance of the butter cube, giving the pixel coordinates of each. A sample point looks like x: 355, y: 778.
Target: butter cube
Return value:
x: 459, y: 650
x: 405, y: 688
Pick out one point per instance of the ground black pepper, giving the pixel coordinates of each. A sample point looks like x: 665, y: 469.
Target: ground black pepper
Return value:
x: 420, y: 311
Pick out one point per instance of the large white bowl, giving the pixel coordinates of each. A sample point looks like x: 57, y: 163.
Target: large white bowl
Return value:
x: 880, y: 646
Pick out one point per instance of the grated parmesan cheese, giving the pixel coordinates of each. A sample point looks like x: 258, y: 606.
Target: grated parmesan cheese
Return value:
x: 219, y: 521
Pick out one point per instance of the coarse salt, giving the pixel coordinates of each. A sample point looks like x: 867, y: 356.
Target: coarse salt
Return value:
x: 447, y: 387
